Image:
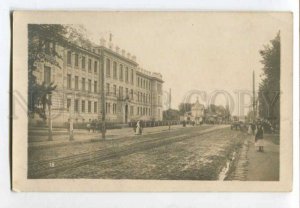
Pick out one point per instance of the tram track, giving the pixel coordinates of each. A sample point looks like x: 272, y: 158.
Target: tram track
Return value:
x: 40, y: 169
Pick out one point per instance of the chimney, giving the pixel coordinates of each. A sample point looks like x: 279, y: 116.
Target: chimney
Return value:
x: 133, y: 58
x: 117, y: 49
x: 123, y: 52
x: 103, y: 42
x: 128, y: 55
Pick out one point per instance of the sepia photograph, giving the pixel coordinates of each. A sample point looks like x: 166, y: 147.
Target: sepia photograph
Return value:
x: 152, y: 101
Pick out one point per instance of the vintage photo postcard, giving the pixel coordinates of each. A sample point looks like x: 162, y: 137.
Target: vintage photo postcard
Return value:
x: 152, y: 101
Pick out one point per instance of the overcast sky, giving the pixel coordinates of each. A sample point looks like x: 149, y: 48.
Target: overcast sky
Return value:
x: 193, y: 51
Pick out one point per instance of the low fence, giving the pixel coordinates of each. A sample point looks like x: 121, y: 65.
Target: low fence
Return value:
x: 154, y: 123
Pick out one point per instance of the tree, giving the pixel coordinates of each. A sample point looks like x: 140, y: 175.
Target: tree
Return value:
x: 171, y: 114
x: 39, y: 50
x: 42, y: 42
x: 184, y: 107
x: 269, y: 88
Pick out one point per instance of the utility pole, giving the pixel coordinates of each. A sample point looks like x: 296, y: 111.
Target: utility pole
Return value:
x: 254, y: 102
x: 103, y: 96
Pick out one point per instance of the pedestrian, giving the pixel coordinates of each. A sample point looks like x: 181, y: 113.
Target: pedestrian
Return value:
x: 259, y: 136
x: 88, y: 126
x: 138, y: 127
x: 250, y: 129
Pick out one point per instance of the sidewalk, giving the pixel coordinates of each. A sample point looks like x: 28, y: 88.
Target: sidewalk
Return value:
x: 85, y: 136
x: 264, y: 166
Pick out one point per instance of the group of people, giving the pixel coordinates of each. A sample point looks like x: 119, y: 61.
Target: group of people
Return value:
x: 257, y: 130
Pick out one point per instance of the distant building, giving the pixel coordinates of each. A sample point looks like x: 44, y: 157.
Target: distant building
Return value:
x: 130, y: 92
x: 197, y: 113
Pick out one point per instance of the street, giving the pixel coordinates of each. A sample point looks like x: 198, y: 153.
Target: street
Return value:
x: 197, y: 153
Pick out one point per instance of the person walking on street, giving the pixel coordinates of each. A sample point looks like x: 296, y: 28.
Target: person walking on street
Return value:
x: 259, y: 135
x: 249, y: 129
x: 138, y: 128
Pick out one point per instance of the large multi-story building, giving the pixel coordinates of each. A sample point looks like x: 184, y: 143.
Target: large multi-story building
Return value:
x: 131, y: 92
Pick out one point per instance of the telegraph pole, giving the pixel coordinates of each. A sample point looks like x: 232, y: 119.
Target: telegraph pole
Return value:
x: 253, y: 85
x: 103, y: 96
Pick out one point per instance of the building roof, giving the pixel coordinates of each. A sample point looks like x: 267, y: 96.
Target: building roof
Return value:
x: 197, y: 105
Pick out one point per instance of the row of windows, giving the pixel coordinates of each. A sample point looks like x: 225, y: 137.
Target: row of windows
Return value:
x: 143, y: 83
x: 143, y: 97
x: 143, y: 111
x: 83, y: 84
x: 112, y: 108
x: 128, y: 77
x: 113, y: 91
x: 75, y: 59
x: 83, y: 106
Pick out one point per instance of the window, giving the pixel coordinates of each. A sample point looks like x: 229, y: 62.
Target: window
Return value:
x: 89, y: 106
x: 114, y: 108
x: 107, y: 88
x: 131, y: 94
x: 83, y: 106
x: 83, y: 62
x: 83, y: 84
x: 90, y: 65
x: 95, y: 107
x: 121, y: 92
x: 126, y: 91
x: 131, y: 110
x: 107, y: 109
x: 95, y: 86
x: 138, y: 95
x: 47, y: 75
x: 159, y: 88
x: 131, y: 71
x: 76, y: 106
x: 76, y: 82
x: 126, y: 75
x: 138, y: 82
x: 90, y: 85
x: 107, y: 67
x: 69, y: 58
x: 76, y: 59
x: 115, y: 90
x: 68, y: 104
x: 95, y: 67
x: 121, y: 72
x: 69, y: 81
x: 115, y: 70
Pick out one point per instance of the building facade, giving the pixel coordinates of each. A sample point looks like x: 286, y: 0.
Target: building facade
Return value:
x: 197, y: 113
x: 130, y: 92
